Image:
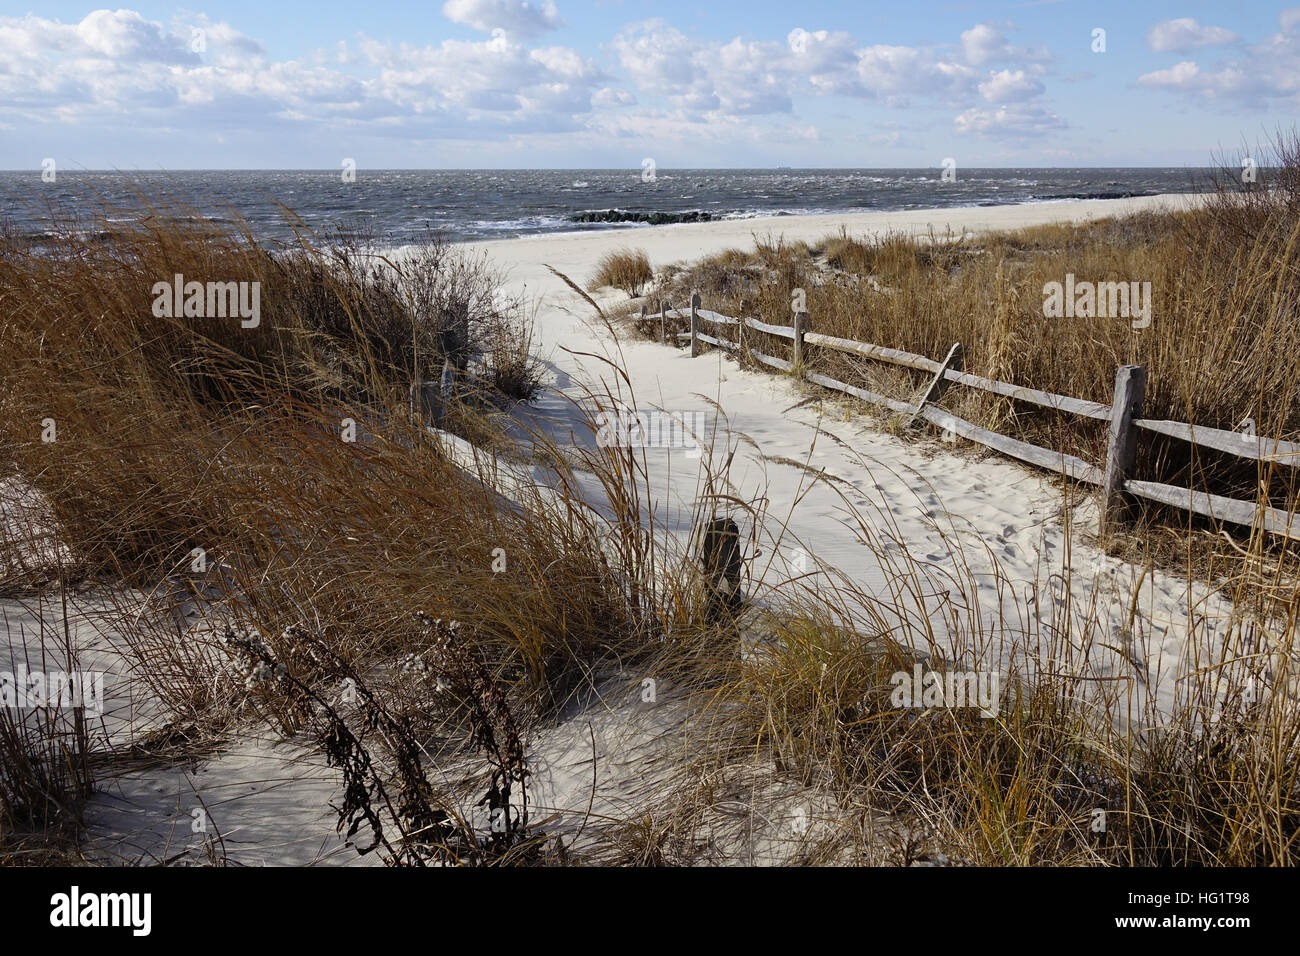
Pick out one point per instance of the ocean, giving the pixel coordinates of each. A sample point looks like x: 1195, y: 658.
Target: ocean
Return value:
x: 401, y: 206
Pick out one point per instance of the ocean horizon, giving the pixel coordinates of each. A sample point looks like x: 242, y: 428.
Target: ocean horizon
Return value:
x: 403, y: 205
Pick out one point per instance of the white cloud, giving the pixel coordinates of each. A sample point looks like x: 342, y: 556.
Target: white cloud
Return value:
x: 498, y: 75
x: 826, y: 60
x: 1185, y: 34
x: 1268, y: 70
x: 501, y: 86
x: 895, y: 72
x: 100, y: 36
x: 750, y: 77
x: 659, y: 58
x: 1015, y: 122
x: 1188, y: 77
x: 608, y: 97
x: 983, y: 44
x: 1180, y: 75
x: 518, y: 17
x: 122, y: 33
x: 1010, y: 86
x: 734, y: 77
x: 120, y: 63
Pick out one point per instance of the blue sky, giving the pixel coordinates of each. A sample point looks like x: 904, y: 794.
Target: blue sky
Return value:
x: 605, y: 83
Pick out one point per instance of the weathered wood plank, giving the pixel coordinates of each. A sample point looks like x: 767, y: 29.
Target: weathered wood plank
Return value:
x: 1256, y: 448
x: 719, y: 342
x: 880, y: 353
x: 782, y: 330
x: 1056, y: 461
x: 1064, y: 403
x: 827, y: 382
x: 1273, y: 520
x: 773, y: 361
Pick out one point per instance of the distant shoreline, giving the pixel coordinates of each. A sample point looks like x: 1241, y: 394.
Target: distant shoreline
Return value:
x: 576, y: 252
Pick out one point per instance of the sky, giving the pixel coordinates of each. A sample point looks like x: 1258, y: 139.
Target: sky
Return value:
x: 607, y: 83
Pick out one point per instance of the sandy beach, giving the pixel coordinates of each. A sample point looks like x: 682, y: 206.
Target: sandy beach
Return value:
x: 576, y: 254
x: 947, y: 506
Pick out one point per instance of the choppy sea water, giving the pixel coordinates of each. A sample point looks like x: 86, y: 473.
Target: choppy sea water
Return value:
x: 401, y: 206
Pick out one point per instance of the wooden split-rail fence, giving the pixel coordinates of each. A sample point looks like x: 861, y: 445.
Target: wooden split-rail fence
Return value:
x: 1123, y: 414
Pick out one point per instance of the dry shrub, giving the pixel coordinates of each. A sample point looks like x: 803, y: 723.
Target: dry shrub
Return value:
x: 286, y: 457
x: 626, y: 269
x: 45, y: 756
x: 513, y: 370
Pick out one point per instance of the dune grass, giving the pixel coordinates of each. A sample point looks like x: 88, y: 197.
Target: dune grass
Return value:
x: 274, y: 479
x: 625, y: 269
x: 273, y: 476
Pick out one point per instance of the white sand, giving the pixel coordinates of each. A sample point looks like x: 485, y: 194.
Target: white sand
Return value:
x: 576, y: 254
x: 946, y: 507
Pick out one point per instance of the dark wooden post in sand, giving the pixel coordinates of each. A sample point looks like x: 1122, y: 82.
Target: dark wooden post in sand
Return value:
x: 1121, y: 448
x: 426, y: 401
x: 723, y: 563
x: 695, y: 324
x: 800, y: 329
x: 453, y: 337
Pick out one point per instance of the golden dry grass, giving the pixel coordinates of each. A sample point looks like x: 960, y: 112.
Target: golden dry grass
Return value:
x: 330, y: 557
x: 625, y: 269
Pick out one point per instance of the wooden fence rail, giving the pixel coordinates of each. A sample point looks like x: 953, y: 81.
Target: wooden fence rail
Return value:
x: 1124, y: 416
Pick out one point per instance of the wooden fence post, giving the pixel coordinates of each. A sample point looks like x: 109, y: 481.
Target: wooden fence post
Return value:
x: 428, y: 402
x: 1121, y: 448
x: 663, y: 321
x: 800, y: 328
x: 695, y: 324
